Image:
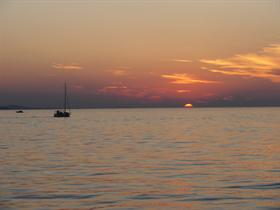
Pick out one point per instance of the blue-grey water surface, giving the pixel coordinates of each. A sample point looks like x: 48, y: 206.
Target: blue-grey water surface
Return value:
x: 201, y: 158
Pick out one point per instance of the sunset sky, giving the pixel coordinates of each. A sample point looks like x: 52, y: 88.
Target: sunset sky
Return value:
x: 140, y: 52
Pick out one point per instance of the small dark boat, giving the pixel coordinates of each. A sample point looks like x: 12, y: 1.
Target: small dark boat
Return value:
x: 19, y: 111
x: 63, y: 113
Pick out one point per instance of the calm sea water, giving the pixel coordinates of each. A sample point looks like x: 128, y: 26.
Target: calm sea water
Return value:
x: 141, y: 159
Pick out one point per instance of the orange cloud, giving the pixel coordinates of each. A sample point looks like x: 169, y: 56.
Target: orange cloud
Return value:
x: 112, y: 88
x: 67, y: 67
x: 124, y: 91
x: 77, y: 87
x: 149, y: 93
x: 183, y: 91
x: 119, y: 72
x: 264, y: 64
x: 184, y: 79
x: 182, y: 60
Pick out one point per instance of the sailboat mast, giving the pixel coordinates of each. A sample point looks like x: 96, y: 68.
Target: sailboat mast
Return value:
x: 65, y: 99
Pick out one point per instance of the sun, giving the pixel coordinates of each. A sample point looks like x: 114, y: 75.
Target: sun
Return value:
x: 188, y: 106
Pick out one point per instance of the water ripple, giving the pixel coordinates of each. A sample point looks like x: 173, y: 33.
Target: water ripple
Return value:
x: 141, y: 159
x: 54, y: 196
x: 258, y: 187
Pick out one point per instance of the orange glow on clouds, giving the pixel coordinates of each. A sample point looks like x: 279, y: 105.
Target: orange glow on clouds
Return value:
x: 185, y: 79
x: 67, y: 67
x: 182, y: 60
x: 120, y: 72
x: 113, y: 88
x: 183, y: 91
x: 265, y: 64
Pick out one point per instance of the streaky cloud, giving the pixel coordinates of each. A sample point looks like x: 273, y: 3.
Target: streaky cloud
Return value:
x: 119, y: 72
x: 67, y: 67
x: 185, y: 79
x: 183, y: 91
x: 182, y: 60
x: 264, y: 64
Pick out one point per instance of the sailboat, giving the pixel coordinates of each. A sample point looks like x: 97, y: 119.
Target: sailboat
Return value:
x: 63, y: 113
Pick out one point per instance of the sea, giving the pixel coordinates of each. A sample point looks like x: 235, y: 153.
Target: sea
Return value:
x: 152, y: 158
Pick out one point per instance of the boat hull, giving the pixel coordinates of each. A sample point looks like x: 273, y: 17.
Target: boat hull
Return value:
x: 61, y: 114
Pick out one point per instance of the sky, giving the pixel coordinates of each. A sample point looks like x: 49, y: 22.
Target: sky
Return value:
x: 118, y: 53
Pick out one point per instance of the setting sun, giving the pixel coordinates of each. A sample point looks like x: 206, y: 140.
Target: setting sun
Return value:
x: 188, y: 106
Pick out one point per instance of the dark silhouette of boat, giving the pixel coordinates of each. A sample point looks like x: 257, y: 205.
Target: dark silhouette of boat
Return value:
x: 63, y: 113
x: 19, y: 111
